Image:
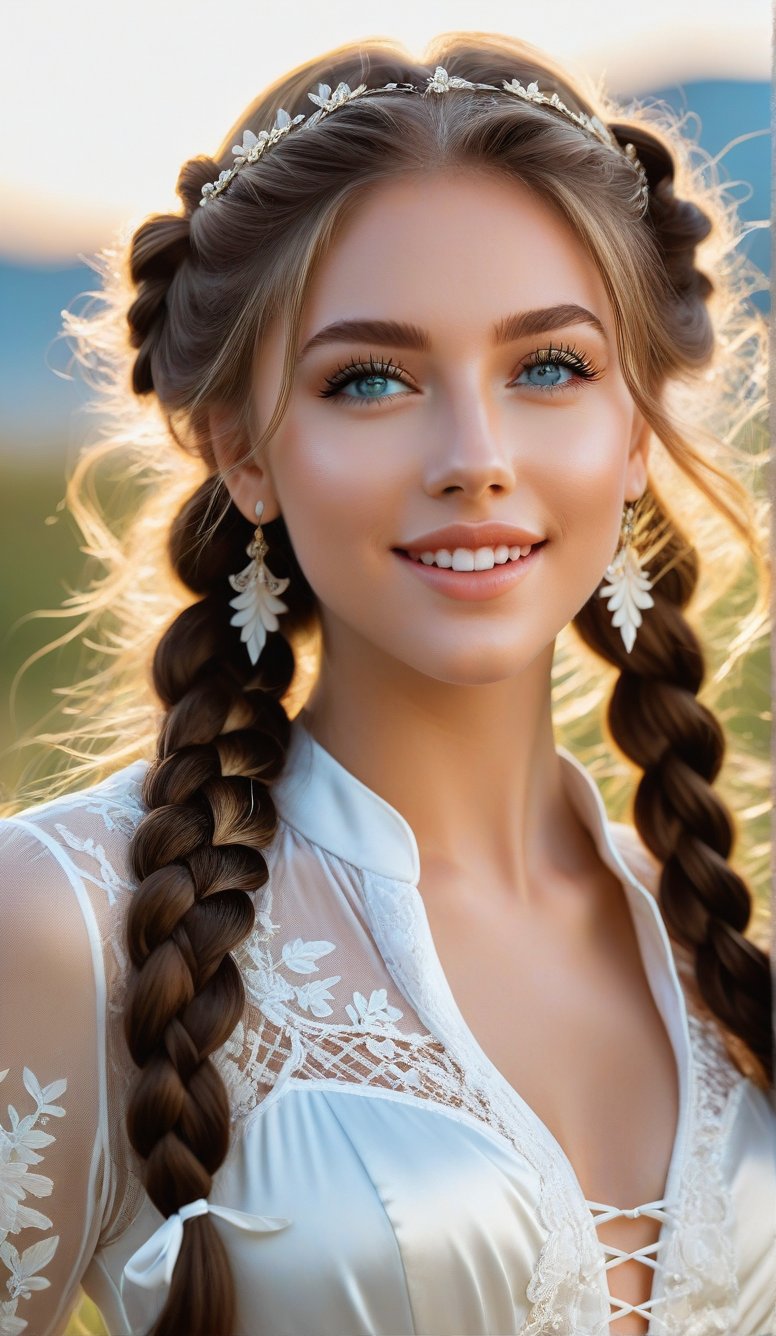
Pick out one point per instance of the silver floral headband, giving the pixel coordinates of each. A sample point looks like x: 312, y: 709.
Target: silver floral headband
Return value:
x: 255, y: 146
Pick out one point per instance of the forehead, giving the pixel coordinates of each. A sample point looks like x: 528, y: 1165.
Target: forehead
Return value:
x: 451, y: 251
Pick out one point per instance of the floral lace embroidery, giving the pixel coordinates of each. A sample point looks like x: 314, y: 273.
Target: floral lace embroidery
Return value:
x: 18, y: 1150
x: 699, y: 1257
x: 278, y: 1039
x: 119, y: 807
x: 284, y: 1038
x: 108, y: 879
x: 115, y: 802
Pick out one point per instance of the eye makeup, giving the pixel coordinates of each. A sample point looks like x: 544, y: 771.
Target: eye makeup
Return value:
x: 362, y: 370
x: 377, y: 368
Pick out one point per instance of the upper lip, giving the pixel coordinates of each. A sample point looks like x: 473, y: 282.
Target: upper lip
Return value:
x: 471, y: 536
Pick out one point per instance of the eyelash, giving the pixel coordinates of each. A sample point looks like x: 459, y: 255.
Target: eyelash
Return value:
x: 356, y: 370
x: 565, y: 355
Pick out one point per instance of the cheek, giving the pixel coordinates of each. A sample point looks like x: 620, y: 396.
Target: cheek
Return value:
x: 590, y: 488
x: 339, y: 470
x: 324, y: 479
x: 336, y: 506
x: 584, y: 490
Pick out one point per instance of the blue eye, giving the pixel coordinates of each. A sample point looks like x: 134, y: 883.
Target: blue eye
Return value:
x: 365, y: 383
x: 369, y: 387
x: 545, y: 373
x: 555, y: 369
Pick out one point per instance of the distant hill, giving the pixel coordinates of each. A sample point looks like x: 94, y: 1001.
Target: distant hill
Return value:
x: 38, y: 405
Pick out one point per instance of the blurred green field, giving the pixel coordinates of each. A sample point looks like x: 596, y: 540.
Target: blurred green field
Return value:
x: 41, y: 562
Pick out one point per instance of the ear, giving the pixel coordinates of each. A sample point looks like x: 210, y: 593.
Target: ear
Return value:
x: 244, y: 478
x: 636, y: 470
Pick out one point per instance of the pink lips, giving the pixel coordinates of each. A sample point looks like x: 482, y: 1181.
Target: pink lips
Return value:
x: 474, y: 585
x: 493, y: 533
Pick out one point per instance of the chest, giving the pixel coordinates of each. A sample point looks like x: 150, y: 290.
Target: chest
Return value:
x: 568, y: 1019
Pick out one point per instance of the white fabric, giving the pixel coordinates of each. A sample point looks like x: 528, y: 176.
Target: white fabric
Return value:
x: 151, y: 1267
x: 424, y: 1196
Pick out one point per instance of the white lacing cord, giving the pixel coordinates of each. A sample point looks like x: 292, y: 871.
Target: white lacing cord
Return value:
x: 656, y: 1210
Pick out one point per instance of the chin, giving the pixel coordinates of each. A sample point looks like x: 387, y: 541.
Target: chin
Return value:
x: 473, y: 663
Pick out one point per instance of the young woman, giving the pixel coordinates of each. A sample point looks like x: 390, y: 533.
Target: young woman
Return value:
x: 345, y: 1005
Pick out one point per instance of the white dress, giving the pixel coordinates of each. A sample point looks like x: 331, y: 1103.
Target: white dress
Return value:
x: 396, y: 1184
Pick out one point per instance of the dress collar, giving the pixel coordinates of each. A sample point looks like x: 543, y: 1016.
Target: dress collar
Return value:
x: 321, y: 799
x: 327, y: 804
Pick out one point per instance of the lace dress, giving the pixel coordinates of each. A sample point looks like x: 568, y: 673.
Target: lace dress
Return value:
x: 401, y: 1185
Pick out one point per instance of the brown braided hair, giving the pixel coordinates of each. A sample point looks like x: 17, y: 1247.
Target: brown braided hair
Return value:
x: 205, y: 284
x: 197, y: 859
x: 654, y: 714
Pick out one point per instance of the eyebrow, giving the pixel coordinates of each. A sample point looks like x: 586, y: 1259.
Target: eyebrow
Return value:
x: 400, y: 335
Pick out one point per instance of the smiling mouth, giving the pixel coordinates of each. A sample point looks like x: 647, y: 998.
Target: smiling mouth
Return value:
x: 511, y: 560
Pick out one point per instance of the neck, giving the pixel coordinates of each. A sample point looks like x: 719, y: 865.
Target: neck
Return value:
x: 472, y: 768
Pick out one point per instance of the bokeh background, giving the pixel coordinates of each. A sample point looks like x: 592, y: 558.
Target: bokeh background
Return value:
x: 99, y: 106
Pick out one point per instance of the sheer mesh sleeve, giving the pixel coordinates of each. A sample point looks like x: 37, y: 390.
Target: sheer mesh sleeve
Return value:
x: 52, y: 1083
x: 69, y: 1181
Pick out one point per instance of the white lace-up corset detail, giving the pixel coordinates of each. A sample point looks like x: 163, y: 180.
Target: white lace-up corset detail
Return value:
x: 315, y: 1016
x: 655, y: 1210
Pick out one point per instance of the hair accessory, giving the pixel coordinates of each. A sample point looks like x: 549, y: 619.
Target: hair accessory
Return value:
x: 151, y: 1267
x: 628, y: 585
x: 257, y: 601
x: 255, y: 146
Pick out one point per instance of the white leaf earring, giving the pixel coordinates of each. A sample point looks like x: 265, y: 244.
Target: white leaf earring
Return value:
x: 257, y: 601
x: 628, y: 586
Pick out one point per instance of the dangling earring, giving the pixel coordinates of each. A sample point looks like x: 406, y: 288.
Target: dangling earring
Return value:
x: 256, y: 602
x: 628, y: 585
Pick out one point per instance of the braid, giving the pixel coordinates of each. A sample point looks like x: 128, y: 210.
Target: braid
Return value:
x: 678, y: 227
x: 159, y: 247
x: 196, y: 857
x: 654, y: 714
x: 656, y: 719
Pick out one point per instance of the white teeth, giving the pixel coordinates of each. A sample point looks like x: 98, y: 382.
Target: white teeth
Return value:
x: 464, y: 559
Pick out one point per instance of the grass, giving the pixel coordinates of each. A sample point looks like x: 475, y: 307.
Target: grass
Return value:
x: 39, y: 553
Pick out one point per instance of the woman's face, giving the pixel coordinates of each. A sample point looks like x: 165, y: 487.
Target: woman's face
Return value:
x: 460, y: 419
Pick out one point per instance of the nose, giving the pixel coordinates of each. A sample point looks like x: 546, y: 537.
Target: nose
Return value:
x: 471, y: 452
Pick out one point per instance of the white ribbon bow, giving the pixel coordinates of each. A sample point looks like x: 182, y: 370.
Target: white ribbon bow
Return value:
x: 154, y: 1261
